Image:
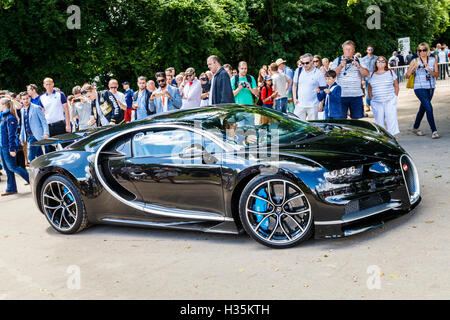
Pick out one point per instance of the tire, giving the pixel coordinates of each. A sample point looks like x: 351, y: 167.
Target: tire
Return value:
x: 280, y: 219
x: 62, y: 205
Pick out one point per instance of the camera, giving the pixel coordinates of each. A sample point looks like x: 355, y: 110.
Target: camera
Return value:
x: 76, y: 100
x: 349, y: 61
x: 421, y: 66
x: 243, y: 84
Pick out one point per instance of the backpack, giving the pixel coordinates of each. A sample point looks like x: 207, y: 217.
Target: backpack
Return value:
x: 260, y: 102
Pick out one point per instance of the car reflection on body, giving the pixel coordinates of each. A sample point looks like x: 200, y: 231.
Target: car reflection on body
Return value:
x: 273, y: 176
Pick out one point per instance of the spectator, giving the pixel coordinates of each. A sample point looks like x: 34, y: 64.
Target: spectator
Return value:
x: 281, y: 83
x: 170, y: 76
x: 228, y: 69
x: 151, y: 85
x: 442, y: 56
x: 425, y: 68
x: 206, y: 87
x: 261, y: 74
x: 325, y: 65
x: 283, y: 68
x: 22, y: 151
x: 104, y: 106
x: 179, y: 80
x: 332, y: 96
x: 305, y: 84
x: 141, y: 100
x: 234, y: 72
x: 81, y: 109
x: 267, y: 93
x: 409, y: 57
x: 56, y: 109
x: 243, y: 85
x: 190, y: 90
x: 350, y: 72
x: 393, y: 61
x: 9, y: 145
x: 368, y: 60
x: 32, y: 92
x: 221, y: 91
x: 166, y: 97
x: 113, y: 86
x: 383, y: 92
x: 209, y: 74
x: 34, y: 126
x: 128, y: 92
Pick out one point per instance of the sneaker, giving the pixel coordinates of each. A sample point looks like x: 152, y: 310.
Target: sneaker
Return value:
x: 7, y: 194
x: 435, y: 135
x: 417, y: 132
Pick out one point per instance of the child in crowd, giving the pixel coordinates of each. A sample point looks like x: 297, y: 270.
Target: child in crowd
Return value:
x: 332, y: 96
x: 267, y: 93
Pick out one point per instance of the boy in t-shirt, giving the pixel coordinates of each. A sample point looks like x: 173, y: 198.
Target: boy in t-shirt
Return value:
x: 332, y: 95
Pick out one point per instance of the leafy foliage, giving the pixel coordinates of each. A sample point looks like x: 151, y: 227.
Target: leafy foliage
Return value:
x: 126, y: 39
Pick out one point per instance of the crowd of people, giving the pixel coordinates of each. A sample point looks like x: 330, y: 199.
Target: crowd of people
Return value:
x: 349, y: 86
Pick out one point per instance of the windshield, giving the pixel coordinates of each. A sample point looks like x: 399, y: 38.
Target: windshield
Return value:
x: 258, y: 125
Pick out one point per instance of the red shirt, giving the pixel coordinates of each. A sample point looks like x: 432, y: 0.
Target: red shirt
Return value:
x: 266, y: 93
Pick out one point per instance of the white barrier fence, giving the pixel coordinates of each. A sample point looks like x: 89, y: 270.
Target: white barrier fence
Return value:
x: 444, y: 72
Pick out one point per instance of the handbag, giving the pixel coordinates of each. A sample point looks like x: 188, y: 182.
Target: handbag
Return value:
x: 410, y: 83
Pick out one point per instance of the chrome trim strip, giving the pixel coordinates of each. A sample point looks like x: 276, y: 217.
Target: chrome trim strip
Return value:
x: 166, y: 212
x: 412, y: 199
x: 362, y: 214
x: 155, y: 224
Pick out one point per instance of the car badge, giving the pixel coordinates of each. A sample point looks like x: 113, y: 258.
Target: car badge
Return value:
x: 405, y: 167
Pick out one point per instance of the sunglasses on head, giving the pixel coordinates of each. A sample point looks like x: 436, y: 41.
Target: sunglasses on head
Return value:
x: 83, y: 92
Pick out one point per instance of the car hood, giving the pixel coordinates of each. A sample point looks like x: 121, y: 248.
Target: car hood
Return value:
x: 346, y: 142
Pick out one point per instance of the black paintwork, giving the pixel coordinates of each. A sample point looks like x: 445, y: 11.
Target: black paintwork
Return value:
x: 214, y: 186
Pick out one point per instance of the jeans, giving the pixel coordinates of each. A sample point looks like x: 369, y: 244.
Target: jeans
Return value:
x: 425, y: 96
x: 33, y: 151
x: 10, y: 166
x: 281, y: 104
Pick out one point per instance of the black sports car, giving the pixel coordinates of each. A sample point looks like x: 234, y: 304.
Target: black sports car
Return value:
x: 225, y: 169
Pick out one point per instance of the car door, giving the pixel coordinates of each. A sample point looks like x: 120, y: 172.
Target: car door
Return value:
x: 172, y: 170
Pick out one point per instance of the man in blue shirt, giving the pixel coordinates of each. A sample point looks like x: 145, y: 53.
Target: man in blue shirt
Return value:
x: 128, y: 92
x: 34, y: 95
x: 166, y: 97
x: 141, y: 100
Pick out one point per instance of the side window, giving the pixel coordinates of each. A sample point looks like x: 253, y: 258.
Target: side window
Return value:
x: 211, y: 147
x: 161, y: 142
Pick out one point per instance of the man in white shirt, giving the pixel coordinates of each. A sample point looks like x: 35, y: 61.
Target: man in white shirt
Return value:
x: 113, y: 85
x: 304, y: 88
x: 281, y: 83
x: 190, y: 90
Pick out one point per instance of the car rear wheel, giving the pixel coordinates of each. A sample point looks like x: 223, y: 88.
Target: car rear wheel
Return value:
x: 62, y: 205
x: 275, y: 212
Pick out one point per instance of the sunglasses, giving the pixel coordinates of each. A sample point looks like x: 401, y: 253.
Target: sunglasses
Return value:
x: 381, y: 61
x: 83, y: 92
x: 306, y: 62
x: 162, y: 80
x: 316, y: 61
x: 422, y: 50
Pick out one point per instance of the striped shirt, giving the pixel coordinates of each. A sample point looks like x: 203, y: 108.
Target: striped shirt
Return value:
x: 382, y: 86
x: 349, y: 79
x: 420, y: 80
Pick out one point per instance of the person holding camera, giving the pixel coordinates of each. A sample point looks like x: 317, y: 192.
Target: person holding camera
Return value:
x: 350, y: 73
x: 206, y: 87
x: 243, y: 85
x: 425, y: 67
x: 81, y: 109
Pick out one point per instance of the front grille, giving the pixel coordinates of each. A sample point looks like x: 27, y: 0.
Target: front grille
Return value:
x: 411, y: 178
x: 367, y: 202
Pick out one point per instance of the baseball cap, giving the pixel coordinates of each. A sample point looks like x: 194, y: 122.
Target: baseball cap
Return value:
x: 267, y: 78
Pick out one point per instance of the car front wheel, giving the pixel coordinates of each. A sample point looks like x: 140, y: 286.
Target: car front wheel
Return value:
x: 62, y: 205
x: 275, y: 212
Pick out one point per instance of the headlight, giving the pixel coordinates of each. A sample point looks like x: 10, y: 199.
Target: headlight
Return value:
x: 344, y: 174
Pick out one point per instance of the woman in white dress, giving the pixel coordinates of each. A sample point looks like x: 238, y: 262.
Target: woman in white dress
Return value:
x: 383, y: 94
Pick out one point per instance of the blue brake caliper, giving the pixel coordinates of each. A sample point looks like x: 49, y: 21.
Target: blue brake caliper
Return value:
x: 68, y: 195
x: 261, y: 206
